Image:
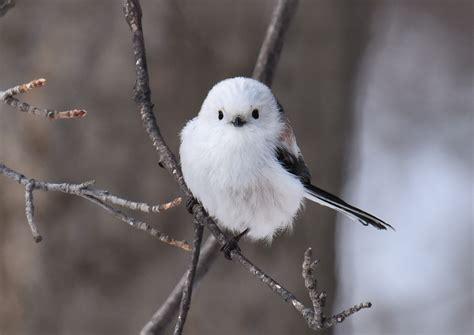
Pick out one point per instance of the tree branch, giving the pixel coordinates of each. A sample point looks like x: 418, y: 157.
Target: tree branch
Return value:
x: 5, y: 6
x: 165, y: 314
x: 315, y: 317
x: 142, y: 94
x: 188, y: 285
x: 98, y: 197
x: 30, y: 210
x: 273, y: 43
x: 268, y: 58
x: 7, y: 97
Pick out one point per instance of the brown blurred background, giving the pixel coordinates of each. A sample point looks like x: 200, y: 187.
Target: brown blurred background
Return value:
x: 366, y: 85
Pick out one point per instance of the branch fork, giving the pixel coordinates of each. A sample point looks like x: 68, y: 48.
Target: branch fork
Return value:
x: 98, y: 197
x: 315, y: 316
x: 8, y: 98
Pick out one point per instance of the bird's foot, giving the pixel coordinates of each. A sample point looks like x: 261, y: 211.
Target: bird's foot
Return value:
x: 190, y: 202
x: 233, y: 244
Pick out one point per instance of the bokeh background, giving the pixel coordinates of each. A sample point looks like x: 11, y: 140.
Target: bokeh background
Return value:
x: 380, y: 94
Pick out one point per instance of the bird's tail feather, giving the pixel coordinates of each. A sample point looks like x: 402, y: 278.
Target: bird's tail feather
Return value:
x: 324, y: 198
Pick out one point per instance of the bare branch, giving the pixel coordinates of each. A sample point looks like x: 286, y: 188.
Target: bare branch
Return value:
x: 98, y: 197
x: 142, y: 94
x: 165, y: 314
x: 315, y: 318
x: 30, y: 210
x: 105, y: 196
x: 188, y: 285
x: 5, y: 6
x: 137, y: 224
x: 23, y: 88
x: 7, y: 97
x: 274, y: 39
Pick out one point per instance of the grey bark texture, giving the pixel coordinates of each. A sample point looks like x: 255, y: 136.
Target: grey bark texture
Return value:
x: 190, y: 278
x: 97, y: 197
x: 7, y: 97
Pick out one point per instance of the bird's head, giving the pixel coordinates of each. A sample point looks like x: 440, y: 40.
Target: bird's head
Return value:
x: 242, y: 105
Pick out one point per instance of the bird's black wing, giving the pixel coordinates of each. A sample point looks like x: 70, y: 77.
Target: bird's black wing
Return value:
x: 288, y: 153
x: 290, y: 158
x: 293, y: 164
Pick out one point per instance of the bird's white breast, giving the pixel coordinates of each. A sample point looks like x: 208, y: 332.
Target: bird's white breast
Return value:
x: 237, y: 178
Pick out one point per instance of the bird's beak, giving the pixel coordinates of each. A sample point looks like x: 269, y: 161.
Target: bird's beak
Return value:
x: 238, y: 122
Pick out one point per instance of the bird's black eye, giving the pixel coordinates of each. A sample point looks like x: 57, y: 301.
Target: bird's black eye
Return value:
x: 221, y: 115
x: 255, y: 113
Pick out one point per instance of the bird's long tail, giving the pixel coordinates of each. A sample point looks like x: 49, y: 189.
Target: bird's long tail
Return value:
x: 324, y: 198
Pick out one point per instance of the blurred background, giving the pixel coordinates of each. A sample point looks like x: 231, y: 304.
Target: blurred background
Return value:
x: 380, y: 94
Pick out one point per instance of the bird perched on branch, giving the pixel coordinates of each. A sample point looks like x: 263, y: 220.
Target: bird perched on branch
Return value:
x: 240, y: 159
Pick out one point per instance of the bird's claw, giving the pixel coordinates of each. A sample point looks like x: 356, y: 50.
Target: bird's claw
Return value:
x: 228, y: 247
x: 190, y: 202
x: 233, y: 244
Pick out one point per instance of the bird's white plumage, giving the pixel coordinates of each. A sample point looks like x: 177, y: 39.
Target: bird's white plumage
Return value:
x: 233, y: 171
x: 240, y: 159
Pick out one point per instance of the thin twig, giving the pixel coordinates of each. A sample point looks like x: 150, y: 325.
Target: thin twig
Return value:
x: 318, y: 299
x: 8, y: 98
x: 30, y: 211
x: 315, y: 317
x: 188, y: 285
x: 137, y: 224
x: 264, y: 71
x: 165, y: 314
x: 142, y: 94
x: 98, y: 197
x: 273, y: 43
x: 105, y: 196
x: 5, y: 6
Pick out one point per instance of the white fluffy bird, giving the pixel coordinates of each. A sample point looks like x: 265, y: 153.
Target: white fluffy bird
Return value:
x: 240, y: 159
